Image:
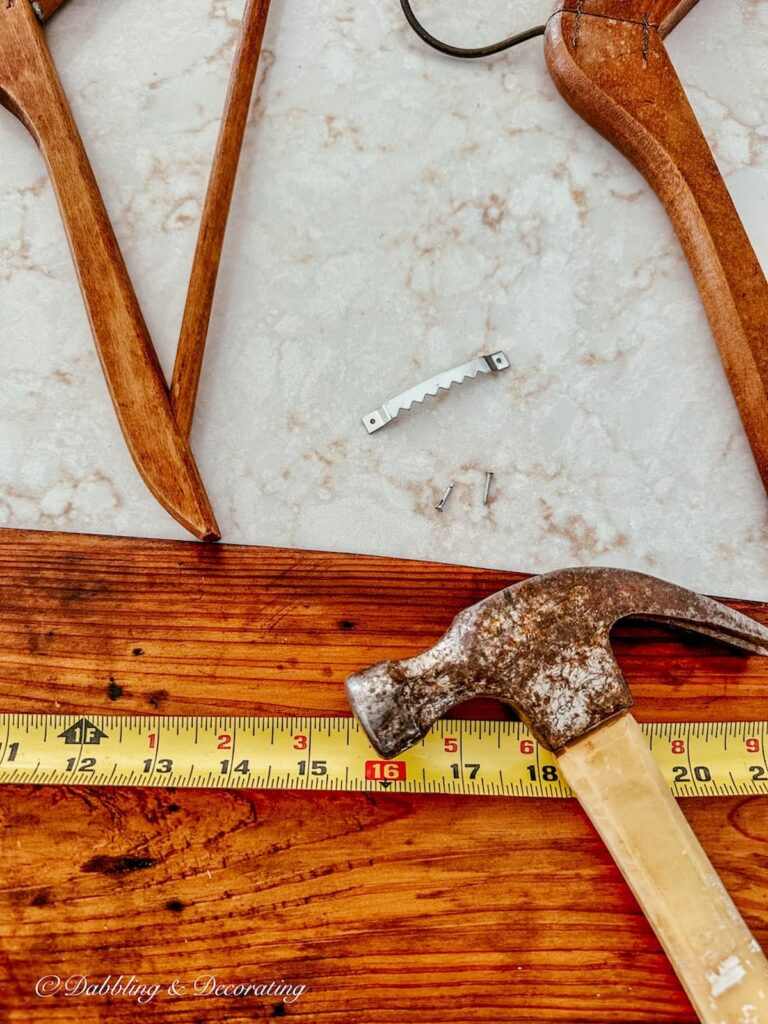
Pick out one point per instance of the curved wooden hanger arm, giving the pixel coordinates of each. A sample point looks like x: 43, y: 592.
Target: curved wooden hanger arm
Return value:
x: 210, y: 239
x: 668, y: 13
x: 609, y: 62
x: 30, y: 89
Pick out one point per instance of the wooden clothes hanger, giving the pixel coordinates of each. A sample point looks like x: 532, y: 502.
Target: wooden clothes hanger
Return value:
x: 607, y: 58
x: 155, y: 421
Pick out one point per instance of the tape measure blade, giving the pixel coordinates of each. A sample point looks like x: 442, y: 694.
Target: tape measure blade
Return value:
x: 471, y: 758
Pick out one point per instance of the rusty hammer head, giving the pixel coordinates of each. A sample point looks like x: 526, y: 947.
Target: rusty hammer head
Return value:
x: 541, y: 646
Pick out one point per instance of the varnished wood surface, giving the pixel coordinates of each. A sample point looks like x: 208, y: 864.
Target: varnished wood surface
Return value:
x: 30, y: 89
x: 608, y: 60
x: 49, y: 7
x: 390, y: 908
x: 213, y: 223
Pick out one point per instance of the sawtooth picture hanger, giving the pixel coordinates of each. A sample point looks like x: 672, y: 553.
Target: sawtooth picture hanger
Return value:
x: 154, y: 419
x: 608, y: 60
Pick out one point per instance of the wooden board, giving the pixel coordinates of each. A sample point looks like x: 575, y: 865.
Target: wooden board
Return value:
x: 389, y: 908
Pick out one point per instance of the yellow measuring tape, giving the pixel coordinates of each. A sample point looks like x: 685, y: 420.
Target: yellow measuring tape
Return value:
x: 486, y: 758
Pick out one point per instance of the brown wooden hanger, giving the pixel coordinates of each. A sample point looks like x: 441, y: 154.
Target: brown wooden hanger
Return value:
x: 607, y: 58
x: 155, y: 424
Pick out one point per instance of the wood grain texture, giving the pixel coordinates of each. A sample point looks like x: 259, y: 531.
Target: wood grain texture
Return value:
x: 608, y: 60
x: 390, y: 908
x: 213, y: 223
x: 30, y: 89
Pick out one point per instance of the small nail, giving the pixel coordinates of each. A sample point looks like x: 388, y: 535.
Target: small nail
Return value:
x: 488, y: 479
x: 444, y: 498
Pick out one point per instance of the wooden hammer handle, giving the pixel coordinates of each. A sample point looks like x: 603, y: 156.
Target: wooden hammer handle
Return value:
x: 30, y: 89
x: 617, y: 782
x: 616, y: 74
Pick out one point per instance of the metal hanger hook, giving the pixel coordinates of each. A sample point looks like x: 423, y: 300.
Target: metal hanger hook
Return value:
x: 467, y: 53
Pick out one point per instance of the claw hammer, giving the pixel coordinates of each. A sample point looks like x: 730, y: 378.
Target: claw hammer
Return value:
x: 543, y: 647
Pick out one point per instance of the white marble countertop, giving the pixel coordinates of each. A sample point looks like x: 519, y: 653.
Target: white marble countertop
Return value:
x: 397, y: 213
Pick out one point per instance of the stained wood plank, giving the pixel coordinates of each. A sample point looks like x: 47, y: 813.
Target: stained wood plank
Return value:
x: 390, y: 908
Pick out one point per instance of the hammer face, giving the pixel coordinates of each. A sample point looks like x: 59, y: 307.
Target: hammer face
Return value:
x: 379, y: 701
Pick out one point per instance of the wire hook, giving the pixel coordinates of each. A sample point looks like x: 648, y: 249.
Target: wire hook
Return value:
x: 467, y: 53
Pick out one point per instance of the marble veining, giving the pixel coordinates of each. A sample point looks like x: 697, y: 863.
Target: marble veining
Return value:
x: 397, y: 213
